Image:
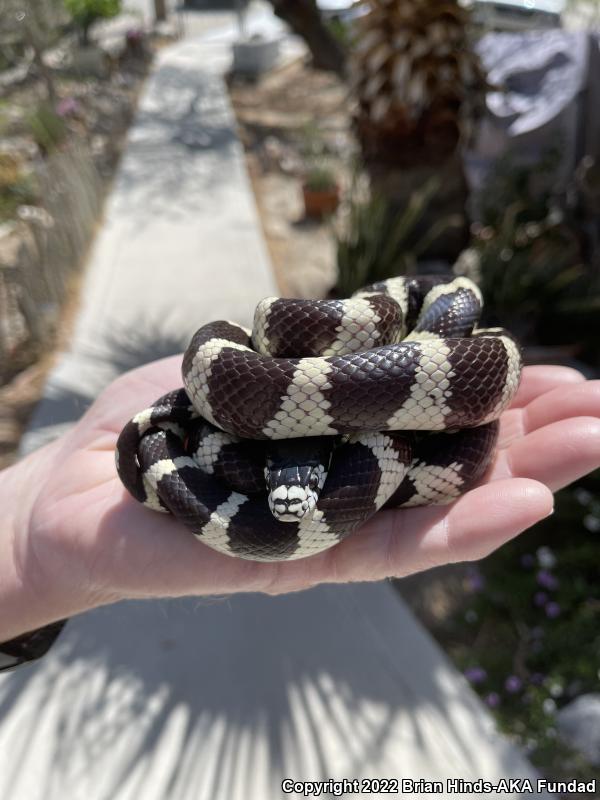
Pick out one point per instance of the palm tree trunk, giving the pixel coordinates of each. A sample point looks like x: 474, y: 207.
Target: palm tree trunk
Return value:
x: 160, y: 10
x: 418, y: 84
x: 448, y: 205
x: 304, y: 18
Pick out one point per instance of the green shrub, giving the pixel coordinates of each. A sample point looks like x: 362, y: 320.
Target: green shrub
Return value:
x: 86, y: 12
x: 528, y: 632
x: 530, y: 258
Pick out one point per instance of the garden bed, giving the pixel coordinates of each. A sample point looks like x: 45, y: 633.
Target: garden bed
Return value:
x: 57, y: 160
x: 291, y: 119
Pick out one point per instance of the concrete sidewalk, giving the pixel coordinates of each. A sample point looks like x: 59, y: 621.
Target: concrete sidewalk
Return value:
x: 206, y: 698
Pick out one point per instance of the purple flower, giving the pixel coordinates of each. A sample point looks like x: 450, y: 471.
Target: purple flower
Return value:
x: 583, y: 496
x: 475, y: 580
x: 591, y: 523
x: 549, y: 706
x: 552, y: 610
x: 537, y: 678
x: 67, y: 107
x: 492, y: 700
x: 546, y: 558
x: 513, y: 684
x: 547, y: 580
x: 527, y: 561
x: 475, y: 674
x: 537, y: 632
x: 134, y: 35
x: 540, y: 599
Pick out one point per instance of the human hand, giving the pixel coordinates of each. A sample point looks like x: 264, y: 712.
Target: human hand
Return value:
x: 82, y: 541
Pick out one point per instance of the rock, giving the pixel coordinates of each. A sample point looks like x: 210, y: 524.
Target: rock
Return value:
x: 578, y: 724
x: 11, y: 78
x: 10, y: 244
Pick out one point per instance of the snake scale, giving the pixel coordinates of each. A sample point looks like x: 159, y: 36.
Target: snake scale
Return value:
x: 287, y: 438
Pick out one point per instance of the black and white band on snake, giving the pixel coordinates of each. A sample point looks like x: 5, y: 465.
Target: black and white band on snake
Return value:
x: 398, y: 380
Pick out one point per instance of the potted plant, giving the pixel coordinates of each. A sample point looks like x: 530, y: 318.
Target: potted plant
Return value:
x: 255, y: 54
x: 321, y: 192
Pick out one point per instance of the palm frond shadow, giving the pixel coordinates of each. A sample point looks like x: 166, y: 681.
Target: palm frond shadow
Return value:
x: 179, y: 158
x: 133, y: 346
x: 117, y: 351
x: 228, y: 693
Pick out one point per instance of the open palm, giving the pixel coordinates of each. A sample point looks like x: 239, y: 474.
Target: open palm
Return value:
x: 84, y: 535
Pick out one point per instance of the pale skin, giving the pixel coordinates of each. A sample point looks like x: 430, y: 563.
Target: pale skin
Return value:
x: 73, y: 539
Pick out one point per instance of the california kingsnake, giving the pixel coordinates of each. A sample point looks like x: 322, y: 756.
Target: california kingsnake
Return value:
x: 337, y: 407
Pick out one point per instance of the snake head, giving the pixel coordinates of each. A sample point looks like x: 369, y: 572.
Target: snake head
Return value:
x: 295, y: 473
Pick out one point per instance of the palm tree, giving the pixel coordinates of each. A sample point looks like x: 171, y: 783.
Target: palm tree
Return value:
x: 418, y: 84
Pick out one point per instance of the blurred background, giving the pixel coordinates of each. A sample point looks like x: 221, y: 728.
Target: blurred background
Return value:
x: 380, y: 137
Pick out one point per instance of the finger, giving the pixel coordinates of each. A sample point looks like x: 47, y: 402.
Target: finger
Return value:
x: 556, y: 454
x: 577, y: 400
x: 537, y: 380
x: 400, y: 542
x: 393, y: 543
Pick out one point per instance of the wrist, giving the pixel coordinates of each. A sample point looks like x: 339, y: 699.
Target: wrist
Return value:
x: 21, y: 609
x: 31, y: 595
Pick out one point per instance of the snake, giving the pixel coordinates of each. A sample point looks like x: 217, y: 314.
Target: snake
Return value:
x: 286, y: 438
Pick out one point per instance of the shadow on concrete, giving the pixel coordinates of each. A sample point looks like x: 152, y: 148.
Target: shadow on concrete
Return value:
x: 235, y: 693
x: 120, y: 350
x: 133, y: 346
x: 181, y: 151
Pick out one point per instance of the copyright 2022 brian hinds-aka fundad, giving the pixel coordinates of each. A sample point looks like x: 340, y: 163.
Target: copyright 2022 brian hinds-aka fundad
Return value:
x: 405, y: 786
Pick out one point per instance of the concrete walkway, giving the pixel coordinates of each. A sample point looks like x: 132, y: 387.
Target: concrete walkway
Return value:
x: 206, y: 698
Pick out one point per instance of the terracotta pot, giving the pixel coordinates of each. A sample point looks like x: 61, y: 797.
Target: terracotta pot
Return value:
x: 319, y: 203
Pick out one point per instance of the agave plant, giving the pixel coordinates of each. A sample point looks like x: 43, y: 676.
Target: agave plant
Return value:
x: 374, y: 242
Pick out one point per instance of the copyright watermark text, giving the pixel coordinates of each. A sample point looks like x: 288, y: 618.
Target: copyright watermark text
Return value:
x: 338, y: 788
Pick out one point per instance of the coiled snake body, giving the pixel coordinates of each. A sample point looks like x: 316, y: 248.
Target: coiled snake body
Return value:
x: 287, y: 438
